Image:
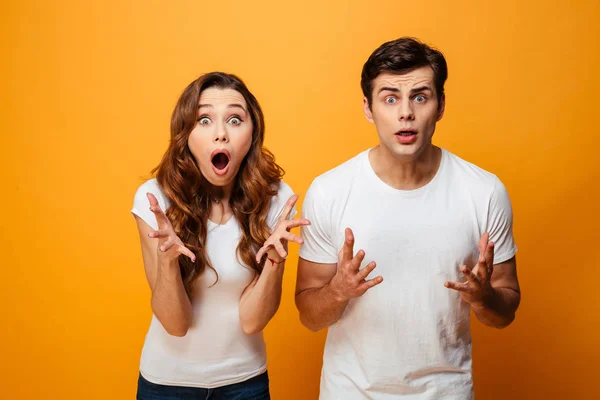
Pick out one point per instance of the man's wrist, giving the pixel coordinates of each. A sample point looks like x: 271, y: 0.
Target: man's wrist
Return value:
x: 337, y: 294
x: 486, y: 302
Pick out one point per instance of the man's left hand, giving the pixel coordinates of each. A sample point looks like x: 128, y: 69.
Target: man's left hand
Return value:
x: 477, y: 290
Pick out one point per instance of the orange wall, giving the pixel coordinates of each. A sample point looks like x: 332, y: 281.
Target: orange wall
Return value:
x: 87, y: 92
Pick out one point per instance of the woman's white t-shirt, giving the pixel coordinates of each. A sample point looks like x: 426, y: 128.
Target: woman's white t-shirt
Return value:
x: 215, y: 351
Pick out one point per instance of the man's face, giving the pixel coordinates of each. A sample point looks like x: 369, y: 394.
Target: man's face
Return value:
x: 405, y: 110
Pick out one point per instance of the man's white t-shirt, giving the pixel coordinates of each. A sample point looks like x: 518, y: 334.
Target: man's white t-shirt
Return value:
x: 408, y: 337
x: 215, y: 351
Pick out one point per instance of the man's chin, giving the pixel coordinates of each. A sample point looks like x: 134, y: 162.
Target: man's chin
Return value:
x: 404, y: 150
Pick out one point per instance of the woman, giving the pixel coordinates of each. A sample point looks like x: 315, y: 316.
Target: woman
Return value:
x: 214, y: 226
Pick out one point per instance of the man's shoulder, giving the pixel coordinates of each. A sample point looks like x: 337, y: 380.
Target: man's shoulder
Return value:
x: 469, y: 173
x: 340, y: 176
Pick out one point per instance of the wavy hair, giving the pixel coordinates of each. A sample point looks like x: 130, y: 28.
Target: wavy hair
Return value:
x: 190, y: 193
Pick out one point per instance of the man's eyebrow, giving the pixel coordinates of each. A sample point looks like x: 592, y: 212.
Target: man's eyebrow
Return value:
x: 389, y: 89
x: 421, y: 89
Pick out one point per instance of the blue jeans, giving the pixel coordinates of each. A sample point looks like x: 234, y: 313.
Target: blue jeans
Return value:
x: 256, y: 388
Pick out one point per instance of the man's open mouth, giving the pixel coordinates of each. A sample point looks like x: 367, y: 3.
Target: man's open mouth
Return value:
x: 406, y: 132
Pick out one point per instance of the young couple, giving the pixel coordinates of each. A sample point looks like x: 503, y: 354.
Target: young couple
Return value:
x: 398, y: 245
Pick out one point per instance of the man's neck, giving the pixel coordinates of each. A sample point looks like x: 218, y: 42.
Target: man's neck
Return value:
x: 405, y: 173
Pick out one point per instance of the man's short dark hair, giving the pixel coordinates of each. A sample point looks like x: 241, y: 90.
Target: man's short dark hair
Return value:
x: 401, y: 56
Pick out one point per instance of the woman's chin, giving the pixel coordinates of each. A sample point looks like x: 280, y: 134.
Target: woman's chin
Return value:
x: 220, y: 177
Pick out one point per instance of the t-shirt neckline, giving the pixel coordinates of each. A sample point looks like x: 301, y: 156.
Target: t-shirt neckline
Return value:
x: 399, y: 192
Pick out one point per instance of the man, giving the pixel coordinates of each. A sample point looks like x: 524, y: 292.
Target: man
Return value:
x: 437, y: 229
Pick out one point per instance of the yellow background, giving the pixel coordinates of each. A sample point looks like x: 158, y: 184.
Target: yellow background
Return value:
x: 87, y: 92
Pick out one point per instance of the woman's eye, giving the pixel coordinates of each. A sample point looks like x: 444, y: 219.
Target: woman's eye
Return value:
x: 235, y: 121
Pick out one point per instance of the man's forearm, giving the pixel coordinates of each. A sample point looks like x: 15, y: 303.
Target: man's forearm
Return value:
x: 320, y: 307
x: 499, y: 309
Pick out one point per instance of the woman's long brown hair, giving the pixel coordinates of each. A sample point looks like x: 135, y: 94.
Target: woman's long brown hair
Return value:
x: 190, y: 193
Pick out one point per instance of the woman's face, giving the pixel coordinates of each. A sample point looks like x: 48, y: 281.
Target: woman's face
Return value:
x: 222, y: 135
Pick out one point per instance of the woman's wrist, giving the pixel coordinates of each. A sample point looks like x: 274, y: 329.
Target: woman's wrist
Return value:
x: 275, y: 260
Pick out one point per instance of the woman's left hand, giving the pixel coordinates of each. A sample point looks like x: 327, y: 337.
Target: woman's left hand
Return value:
x: 281, y: 233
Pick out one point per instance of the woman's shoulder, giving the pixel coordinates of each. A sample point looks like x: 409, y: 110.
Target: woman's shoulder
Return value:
x: 278, y: 202
x: 141, y: 203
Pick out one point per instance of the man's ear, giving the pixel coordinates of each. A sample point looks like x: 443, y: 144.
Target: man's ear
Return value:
x: 441, y: 107
x: 367, y: 110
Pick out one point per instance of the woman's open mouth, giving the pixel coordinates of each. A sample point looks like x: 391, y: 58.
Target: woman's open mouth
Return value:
x: 220, y: 161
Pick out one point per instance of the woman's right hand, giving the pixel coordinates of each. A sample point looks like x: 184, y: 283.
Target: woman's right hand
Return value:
x: 170, y: 247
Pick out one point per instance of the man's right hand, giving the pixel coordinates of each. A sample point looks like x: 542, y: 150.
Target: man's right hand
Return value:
x: 350, y: 281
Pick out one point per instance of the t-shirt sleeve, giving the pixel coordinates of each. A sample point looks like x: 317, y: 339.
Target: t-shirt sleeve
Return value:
x: 141, y: 205
x: 278, y: 203
x: 500, y: 219
x: 318, y: 243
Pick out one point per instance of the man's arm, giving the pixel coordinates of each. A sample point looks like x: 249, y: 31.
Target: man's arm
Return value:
x: 498, y: 310
x: 491, y: 290
x: 502, y: 300
x: 317, y: 303
x: 323, y: 290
